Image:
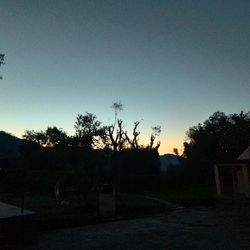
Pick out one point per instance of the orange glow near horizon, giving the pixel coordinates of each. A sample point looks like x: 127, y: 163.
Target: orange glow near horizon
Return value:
x: 168, y: 143
x: 168, y: 146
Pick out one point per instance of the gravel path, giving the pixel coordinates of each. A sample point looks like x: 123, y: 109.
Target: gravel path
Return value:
x: 196, y: 228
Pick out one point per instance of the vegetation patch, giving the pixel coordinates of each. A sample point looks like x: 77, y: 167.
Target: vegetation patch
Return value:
x: 188, y: 196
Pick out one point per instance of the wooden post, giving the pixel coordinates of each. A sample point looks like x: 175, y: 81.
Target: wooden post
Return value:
x: 245, y: 177
x: 217, y: 180
x: 234, y: 179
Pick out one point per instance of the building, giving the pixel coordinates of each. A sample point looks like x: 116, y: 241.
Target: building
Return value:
x: 233, y: 177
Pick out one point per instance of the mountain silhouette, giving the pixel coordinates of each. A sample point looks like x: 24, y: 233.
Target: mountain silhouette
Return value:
x: 168, y: 160
x: 9, y: 145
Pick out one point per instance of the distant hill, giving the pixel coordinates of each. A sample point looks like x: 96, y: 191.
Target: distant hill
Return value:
x: 168, y: 160
x: 9, y: 145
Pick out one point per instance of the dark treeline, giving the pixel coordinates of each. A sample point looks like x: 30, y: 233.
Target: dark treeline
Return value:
x: 99, y: 154
x: 86, y: 168
x: 96, y: 154
x: 221, y: 138
x: 90, y: 132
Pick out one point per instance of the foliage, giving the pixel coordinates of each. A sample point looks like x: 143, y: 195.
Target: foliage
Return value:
x: 51, y: 137
x: 188, y: 196
x: 87, y: 129
x: 134, y: 169
x: 118, y: 107
x: 77, y: 164
x: 91, y: 133
x: 220, y: 138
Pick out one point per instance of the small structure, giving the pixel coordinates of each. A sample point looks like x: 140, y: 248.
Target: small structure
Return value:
x: 233, y: 177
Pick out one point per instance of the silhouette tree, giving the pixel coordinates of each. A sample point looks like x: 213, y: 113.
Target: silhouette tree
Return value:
x: 118, y: 137
x: 55, y: 136
x: 35, y: 136
x: 156, y: 131
x: 134, y: 142
x: 88, y: 128
x: 1, y: 62
x: 49, y: 138
x: 220, y: 138
x: 118, y: 107
x: 115, y: 132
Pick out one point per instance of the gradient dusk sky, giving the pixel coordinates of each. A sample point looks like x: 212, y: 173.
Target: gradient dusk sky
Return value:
x: 171, y: 63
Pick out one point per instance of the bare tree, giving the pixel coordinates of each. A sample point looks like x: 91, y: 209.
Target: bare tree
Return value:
x: 156, y: 131
x: 134, y: 141
x: 118, y: 138
x: 116, y: 132
x: 117, y: 107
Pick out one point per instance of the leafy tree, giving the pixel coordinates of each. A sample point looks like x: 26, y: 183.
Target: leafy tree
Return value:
x: 35, y: 136
x: 51, y: 137
x: 55, y: 136
x: 220, y: 138
x: 87, y: 129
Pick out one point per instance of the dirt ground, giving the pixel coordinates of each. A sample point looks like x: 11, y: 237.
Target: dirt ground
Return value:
x: 224, y: 226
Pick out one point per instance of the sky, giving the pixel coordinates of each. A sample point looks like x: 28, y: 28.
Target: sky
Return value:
x: 171, y: 63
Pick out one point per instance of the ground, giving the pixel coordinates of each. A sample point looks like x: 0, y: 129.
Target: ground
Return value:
x: 225, y: 226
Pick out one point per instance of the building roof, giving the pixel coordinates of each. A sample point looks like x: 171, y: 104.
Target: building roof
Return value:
x: 245, y: 155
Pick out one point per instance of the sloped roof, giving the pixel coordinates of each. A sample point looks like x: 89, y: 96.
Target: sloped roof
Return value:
x: 245, y: 155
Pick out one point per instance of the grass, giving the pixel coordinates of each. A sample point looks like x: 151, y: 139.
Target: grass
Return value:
x: 131, y: 205
x: 50, y: 213
x: 81, y: 211
x: 128, y: 205
x: 187, y: 196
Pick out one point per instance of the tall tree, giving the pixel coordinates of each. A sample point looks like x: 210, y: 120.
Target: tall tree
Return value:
x: 156, y: 131
x: 134, y: 142
x: 220, y: 138
x: 117, y: 137
x: 87, y: 129
x: 115, y: 132
x: 55, y: 136
x: 117, y: 107
x: 1, y: 62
